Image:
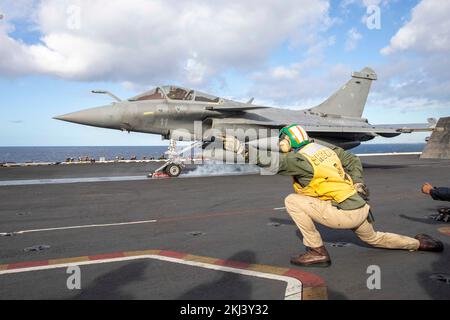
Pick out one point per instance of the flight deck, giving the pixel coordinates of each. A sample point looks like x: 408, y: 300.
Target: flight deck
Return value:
x: 206, y: 237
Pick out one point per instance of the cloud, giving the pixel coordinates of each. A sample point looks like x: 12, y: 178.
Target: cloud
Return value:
x: 363, y: 3
x: 411, y: 81
x: 428, y: 30
x: 299, y: 85
x: 368, y: 5
x: 407, y: 104
x: 146, y: 41
x: 12, y: 59
x: 418, y: 58
x: 353, y: 37
x: 17, y: 9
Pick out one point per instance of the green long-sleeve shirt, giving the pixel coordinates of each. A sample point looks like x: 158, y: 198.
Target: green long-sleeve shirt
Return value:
x: 296, y: 165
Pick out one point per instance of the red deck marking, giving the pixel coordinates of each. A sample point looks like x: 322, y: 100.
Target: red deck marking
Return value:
x: 172, y: 254
x: 160, y: 176
x: 308, y: 279
x: 232, y: 264
x: 23, y: 265
x: 445, y: 230
x: 107, y: 256
x: 314, y: 287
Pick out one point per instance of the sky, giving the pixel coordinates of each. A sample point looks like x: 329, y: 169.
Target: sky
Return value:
x: 290, y: 54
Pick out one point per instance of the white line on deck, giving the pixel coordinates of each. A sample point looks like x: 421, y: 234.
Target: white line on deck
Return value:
x: 293, y: 291
x: 9, y: 183
x: 281, y: 208
x: 80, y: 227
x: 70, y: 180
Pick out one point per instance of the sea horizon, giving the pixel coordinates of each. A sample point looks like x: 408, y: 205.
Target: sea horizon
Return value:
x: 70, y: 146
x: 30, y: 154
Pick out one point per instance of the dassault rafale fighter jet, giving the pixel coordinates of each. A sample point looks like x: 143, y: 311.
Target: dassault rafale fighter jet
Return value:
x: 171, y: 111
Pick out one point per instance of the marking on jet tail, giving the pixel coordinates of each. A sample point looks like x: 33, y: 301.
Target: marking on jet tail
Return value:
x: 300, y: 285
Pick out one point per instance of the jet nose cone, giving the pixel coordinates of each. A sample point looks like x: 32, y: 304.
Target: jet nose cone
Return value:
x: 106, y: 117
x: 70, y: 117
x: 81, y: 117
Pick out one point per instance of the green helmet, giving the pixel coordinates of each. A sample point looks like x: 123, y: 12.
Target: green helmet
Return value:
x: 296, y: 134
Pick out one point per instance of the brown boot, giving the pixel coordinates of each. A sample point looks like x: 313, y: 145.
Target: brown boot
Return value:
x: 427, y: 243
x: 314, y: 257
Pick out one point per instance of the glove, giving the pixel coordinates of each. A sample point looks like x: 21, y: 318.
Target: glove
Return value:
x: 362, y: 190
x: 426, y: 188
x: 232, y: 144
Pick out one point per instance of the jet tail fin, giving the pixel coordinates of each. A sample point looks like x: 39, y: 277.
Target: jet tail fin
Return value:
x: 351, y: 99
x: 438, y: 146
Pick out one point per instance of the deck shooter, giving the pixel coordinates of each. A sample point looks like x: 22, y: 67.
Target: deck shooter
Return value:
x: 330, y: 190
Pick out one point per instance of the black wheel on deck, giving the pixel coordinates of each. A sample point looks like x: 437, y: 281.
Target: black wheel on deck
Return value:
x: 173, y: 170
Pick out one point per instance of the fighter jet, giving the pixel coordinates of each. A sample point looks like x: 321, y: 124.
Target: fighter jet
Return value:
x: 173, y: 112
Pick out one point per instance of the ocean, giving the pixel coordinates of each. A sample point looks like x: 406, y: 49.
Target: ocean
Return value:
x: 60, y: 154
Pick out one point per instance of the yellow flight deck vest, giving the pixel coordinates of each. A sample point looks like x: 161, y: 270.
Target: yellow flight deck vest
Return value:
x: 330, y: 182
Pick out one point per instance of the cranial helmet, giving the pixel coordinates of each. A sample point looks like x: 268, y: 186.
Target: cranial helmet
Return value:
x: 297, y: 137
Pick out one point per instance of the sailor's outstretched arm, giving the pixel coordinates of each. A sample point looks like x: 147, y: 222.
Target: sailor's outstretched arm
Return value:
x: 442, y: 194
x: 272, y: 162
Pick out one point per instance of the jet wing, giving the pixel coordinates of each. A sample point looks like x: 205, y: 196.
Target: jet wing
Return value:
x: 390, y: 130
x: 410, y: 127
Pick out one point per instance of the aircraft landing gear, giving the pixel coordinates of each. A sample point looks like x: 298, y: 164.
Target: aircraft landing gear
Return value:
x: 173, y: 170
x: 174, y: 165
x: 168, y: 170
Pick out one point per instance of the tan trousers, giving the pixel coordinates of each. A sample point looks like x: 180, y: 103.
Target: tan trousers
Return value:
x: 306, y: 210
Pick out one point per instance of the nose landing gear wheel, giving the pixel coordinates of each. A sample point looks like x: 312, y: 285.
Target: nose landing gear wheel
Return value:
x: 173, y: 170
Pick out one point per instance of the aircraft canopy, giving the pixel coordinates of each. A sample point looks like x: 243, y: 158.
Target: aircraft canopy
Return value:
x: 176, y: 93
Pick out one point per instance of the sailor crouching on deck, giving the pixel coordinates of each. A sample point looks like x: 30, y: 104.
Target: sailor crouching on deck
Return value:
x: 329, y: 189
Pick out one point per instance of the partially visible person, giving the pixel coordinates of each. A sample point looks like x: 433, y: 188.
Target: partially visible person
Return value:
x: 442, y: 194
